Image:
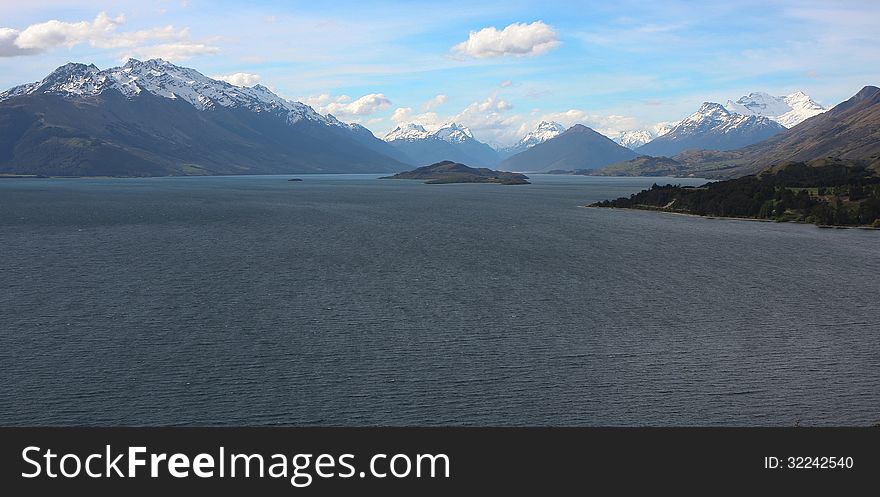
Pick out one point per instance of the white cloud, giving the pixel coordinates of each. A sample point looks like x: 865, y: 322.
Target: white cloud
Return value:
x: 434, y: 102
x: 506, y: 83
x: 407, y: 115
x: 173, y: 51
x: 608, y: 124
x: 344, y: 107
x: 8, y: 48
x: 518, y: 39
x: 166, y: 42
x: 488, y: 119
x: 51, y: 34
x: 491, y: 120
x: 402, y: 114
x: 240, y: 78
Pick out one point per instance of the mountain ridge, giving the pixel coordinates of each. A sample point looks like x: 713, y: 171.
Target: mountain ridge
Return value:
x: 154, y: 118
x: 712, y: 127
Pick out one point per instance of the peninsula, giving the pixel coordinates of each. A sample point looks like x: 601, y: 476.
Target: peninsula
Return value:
x: 829, y: 192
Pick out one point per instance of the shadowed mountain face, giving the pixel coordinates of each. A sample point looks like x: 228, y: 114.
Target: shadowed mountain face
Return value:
x: 130, y: 122
x: 577, y: 148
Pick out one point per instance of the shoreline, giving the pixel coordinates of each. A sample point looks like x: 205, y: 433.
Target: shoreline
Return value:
x: 750, y: 219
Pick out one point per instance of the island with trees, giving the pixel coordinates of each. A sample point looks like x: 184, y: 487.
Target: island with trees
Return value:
x: 454, y: 172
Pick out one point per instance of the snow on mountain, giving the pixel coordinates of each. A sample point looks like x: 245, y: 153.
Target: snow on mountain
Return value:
x: 661, y: 129
x: 634, y: 139
x: 788, y: 110
x: 712, y: 116
x: 448, y: 132
x: 408, y: 132
x: 712, y: 127
x: 453, y: 133
x: 167, y: 80
x: 544, y: 131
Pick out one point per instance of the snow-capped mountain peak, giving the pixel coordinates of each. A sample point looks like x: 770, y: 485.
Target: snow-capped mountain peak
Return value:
x: 164, y: 79
x: 633, y: 139
x: 714, y: 117
x: 454, y: 133
x: 709, y: 111
x: 788, y: 110
x: 544, y: 131
x: 408, y: 131
x: 448, y: 132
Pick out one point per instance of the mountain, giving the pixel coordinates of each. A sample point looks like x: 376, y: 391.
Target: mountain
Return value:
x: 544, y: 131
x: 155, y: 118
x: 634, y: 139
x: 850, y: 130
x: 712, y: 127
x: 450, y: 141
x: 452, y: 172
x: 579, y: 147
x: 789, y: 110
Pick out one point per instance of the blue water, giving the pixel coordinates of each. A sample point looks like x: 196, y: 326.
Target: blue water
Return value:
x: 347, y: 300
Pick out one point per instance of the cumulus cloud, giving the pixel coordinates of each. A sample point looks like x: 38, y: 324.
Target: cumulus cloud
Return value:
x: 8, y: 48
x: 51, y: 34
x: 489, y: 119
x: 518, y: 39
x: 344, y: 107
x: 240, y: 78
x: 173, y: 51
x: 103, y: 32
x: 402, y: 115
x: 434, y: 102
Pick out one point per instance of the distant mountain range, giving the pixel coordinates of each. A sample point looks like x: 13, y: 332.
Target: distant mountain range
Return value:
x: 155, y: 118
x: 710, y: 128
x: 450, y: 141
x: 151, y: 118
x: 579, y: 147
x: 849, y: 131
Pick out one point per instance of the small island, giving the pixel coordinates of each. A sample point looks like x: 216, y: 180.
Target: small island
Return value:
x: 295, y: 179
x: 454, y: 172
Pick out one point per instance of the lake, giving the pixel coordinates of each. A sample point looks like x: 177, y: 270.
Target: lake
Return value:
x: 348, y: 300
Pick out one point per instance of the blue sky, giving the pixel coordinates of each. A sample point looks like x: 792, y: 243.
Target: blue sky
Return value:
x: 613, y: 65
